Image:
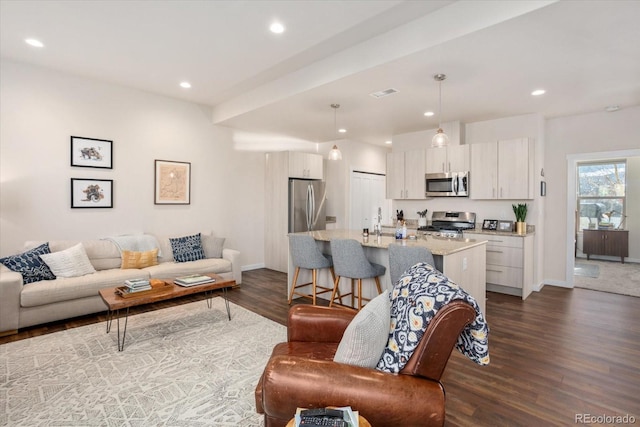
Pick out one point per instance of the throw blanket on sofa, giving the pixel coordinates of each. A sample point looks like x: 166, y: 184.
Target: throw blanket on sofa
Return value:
x: 416, y: 298
x: 135, y: 242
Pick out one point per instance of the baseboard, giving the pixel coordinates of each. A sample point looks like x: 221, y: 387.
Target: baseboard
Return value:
x: 517, y: 292
x: 607, y: 258
x: 558, y: 283
x: 252, y: 267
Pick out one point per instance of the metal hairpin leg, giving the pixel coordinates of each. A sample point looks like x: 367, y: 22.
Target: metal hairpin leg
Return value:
x: 209, y: 295
x: 124, y: 332
x: 109, y: 319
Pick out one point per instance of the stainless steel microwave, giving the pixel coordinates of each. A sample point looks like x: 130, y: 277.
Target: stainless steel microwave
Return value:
x: 449, y: 184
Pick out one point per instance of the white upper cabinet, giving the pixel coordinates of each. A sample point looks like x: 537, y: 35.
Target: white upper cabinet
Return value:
x: 405, y: 175
x: 458, y: 158
x: 436, y: 160
x: 305, y: 165
x: 452, y: 158
x: 502, y: 170
x: 515, y: 169
x: 483, y: 179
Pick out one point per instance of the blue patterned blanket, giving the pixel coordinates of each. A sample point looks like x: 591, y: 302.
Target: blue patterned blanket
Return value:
x: 416, y: 298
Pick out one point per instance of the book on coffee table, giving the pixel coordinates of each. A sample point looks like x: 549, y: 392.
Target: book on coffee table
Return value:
x: 194, y: 279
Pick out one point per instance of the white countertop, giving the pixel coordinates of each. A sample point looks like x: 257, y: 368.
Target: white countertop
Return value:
x: 437, y: 245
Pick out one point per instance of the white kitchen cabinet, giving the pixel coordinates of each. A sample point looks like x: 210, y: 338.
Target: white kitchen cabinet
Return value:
x: 452, y: 158
x: 502, y: 170
x: 509, y: 263
x: 515, y: 169
x: 305, y: 165
x: 405, y: 175
x: 484, y: 170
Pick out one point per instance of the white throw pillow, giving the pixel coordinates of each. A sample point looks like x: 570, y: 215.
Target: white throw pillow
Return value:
x: 367, y: 335
x: 72, y: 262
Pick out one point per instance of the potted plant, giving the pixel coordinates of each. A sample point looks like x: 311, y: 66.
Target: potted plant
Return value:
x: 520, y: 210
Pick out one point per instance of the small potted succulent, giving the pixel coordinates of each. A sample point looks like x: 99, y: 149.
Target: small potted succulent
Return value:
x: 520, y: 210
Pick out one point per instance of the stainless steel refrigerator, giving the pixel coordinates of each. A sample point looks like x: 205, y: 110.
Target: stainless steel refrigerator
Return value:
x: 306, y: 205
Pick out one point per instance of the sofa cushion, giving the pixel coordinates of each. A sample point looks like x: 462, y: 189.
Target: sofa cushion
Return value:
x: 367, y: 335
x: 187, y: 248
x: 135, y: 259
x: 65, y: 289
x: 72, y: 262
x: 30, y: 264
x: 212, y: 246
x: 168, y: 270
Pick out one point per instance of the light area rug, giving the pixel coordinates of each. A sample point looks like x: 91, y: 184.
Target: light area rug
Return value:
x: 181, y: 366
x: 614, y: 277
x: 586, y: 270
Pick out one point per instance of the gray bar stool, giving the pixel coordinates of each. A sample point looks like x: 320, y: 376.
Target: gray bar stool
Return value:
x: 402, y: 258
x: 350, y: 261
x: 305, y: 254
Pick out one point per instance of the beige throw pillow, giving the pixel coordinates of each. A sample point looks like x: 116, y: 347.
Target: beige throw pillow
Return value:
x: 366, y: 337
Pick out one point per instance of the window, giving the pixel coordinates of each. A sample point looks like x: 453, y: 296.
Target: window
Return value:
x: 601, y: 194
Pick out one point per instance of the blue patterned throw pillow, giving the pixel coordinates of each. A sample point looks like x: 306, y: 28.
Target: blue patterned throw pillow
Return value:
x: 30, y: 265
x: 187, y: 248
x: 415, y: 300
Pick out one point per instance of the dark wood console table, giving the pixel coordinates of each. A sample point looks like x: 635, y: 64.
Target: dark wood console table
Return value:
x: 606, y: 242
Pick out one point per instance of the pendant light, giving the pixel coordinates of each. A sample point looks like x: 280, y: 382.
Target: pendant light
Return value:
x: 440, y: 139
x: 335, y: 153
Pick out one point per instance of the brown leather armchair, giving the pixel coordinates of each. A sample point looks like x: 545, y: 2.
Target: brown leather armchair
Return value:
x: 301, y: 372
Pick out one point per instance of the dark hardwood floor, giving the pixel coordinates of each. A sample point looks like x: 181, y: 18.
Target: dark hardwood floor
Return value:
x: 560, y: 353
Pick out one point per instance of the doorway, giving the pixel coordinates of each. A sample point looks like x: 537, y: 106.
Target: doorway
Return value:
x: 603, y: 273
x: 368, y: 194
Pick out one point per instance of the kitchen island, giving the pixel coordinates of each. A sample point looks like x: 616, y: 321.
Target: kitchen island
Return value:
x: 463, y: 261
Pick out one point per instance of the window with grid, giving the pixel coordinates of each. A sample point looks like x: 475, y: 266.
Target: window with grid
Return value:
x: 601, y: 194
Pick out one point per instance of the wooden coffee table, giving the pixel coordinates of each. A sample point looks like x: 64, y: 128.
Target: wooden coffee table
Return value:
x: 115, y: 302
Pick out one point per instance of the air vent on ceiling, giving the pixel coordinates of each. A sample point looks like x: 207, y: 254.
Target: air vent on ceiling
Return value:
x: 384, y: 93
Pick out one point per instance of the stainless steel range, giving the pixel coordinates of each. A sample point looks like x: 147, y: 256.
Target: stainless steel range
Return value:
x: 450, y: 224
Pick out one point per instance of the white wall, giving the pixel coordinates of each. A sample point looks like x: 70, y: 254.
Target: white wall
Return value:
x: 595, y: 135
x: 41, y: 109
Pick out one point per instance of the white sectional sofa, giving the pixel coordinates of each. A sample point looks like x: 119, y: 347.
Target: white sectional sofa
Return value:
x: 50, y: 300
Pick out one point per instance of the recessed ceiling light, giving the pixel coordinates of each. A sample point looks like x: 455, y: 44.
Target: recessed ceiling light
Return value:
x: 342, y: 130
x: 34, y: 42
x: 388, y: 142
x: 429, y: 113
x: 185, y: 85
x: 538, y: 92
x: 277, y: 28
x: 611, y: 108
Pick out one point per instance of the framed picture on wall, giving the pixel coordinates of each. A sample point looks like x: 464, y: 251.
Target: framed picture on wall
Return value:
x: 91, y: 193
x: 172, y: 183
x: 91, y: 152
